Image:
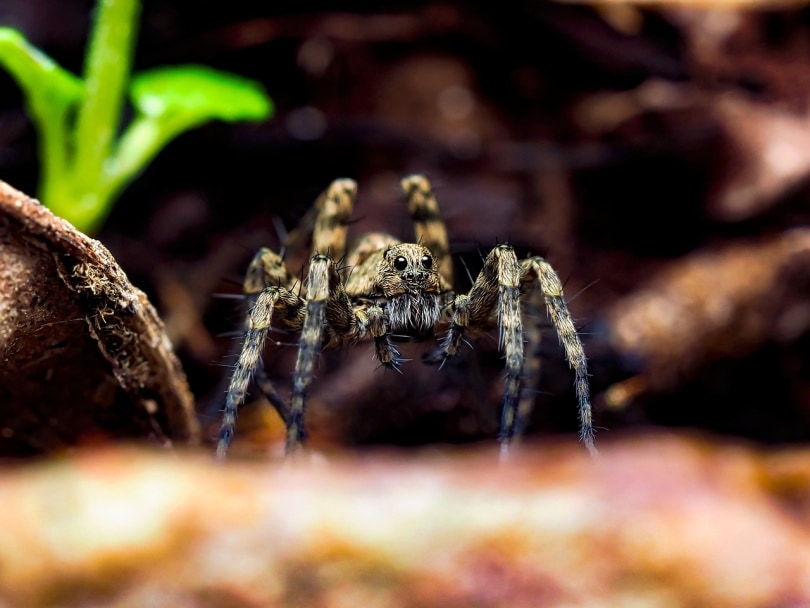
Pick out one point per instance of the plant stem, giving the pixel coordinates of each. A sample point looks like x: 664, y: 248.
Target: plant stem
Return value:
x: 53, y: 138
x: 106, y: 75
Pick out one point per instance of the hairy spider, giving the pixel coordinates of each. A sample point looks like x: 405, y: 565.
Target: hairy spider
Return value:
x: 382, y: 288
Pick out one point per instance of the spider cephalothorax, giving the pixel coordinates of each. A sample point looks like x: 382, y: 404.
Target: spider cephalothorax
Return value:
x: 387, y: 291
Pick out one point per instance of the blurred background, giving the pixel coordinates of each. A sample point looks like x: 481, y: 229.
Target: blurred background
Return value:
x: 657, y: 157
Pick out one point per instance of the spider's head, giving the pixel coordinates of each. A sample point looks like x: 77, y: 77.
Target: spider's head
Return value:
x: 408, y: 268
x: 409, y: 279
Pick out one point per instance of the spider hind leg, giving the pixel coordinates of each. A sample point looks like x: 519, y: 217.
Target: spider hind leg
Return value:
x: 532, y: 304
x: 429, y: 228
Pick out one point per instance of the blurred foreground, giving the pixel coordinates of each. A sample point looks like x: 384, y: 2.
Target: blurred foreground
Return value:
x: 659, y: 521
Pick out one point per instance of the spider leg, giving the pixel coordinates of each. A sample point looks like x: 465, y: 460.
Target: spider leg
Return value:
x: 334, y: 208
x: 532, y: 335
x: 496, y: 291
x: 325, y: 223
x: 270, y: 301
x: 324, y: 290
x: 429, y: 227
x: 270, y: 393
x: 537, y: 270
x: 387, y: 353
x: 267, y: 269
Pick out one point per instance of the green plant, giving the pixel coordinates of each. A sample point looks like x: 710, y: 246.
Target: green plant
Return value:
x: 85, y: 163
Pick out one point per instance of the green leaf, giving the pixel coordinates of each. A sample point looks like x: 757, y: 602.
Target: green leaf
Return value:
x: 37, y: 74
x: 50, y: 94
x: 84, y: 167
x: 199, y: 93
x: 172, y: 100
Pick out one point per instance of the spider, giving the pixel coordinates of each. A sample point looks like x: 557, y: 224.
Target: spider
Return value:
x: 383, y: 289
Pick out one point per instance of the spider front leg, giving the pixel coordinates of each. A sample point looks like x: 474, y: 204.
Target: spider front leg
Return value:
x: 267, y: 269
x: 537, y: 271
x: 496, y: 291
x: 328, y: 320
x: 271, y: 301
x: 309, y: 347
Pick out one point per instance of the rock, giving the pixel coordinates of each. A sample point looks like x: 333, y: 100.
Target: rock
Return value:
x: 83, y: 354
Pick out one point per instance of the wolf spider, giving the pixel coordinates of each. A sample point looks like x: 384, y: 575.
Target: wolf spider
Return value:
x: 383, y: 288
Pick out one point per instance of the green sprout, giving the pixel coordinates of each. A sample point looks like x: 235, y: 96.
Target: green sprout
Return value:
x: 85, y: 164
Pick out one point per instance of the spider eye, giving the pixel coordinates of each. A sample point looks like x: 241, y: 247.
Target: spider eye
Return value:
x: 427, y: 262
x: 400, y: 263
